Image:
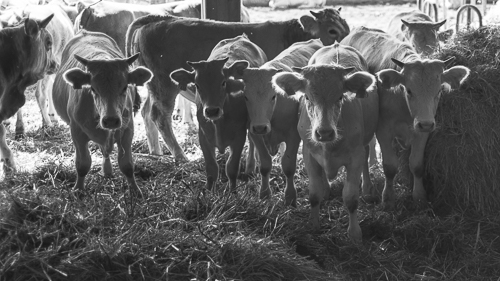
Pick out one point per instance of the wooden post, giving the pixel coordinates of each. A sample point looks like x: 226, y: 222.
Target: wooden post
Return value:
x: 222, y: 10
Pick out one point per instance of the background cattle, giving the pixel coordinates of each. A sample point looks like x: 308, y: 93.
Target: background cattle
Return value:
x: 273, y: 117
x: 25, y: 57
x: 92, y: 95
x: 221, y: 110
x: 165, y: 46
x: 338, y: 118
x: 408, y: 101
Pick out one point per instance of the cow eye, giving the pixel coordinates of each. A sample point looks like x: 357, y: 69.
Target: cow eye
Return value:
x: 223, y: 84
x: 410, y: 94
x: 92, y: 89
x: 246, y: 98
x: 274, y: 97
x: 307, y: 98
x: 332, y: 32
x: 197, y: 87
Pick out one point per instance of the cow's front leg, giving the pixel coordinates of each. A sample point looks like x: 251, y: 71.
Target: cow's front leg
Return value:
x: 233, y: 161
x: 208, y: 150
x: 107, y: 149
x: 289, y: 165
x: 41, y: 97
x: 265, y: 164
x: 125, y: 160
x: 369, y: 192
x: 318, y: 184
x: 19, y: 124
x: 250, y: 164
x: 390, y: 166
x: 350, y: 193
x: 9, y: 166
x: 417, y: 167
x: 83, y: 160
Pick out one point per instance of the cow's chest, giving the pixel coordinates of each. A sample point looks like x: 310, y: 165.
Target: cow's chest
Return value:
x: 223, y: 132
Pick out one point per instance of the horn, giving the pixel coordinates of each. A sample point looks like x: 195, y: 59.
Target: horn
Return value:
x: 316, y: 15
x: 297, y: 69
x: 339, y: 9
x: 131, y: 59
x: 81, y: 60
x: 448, y: 61
x: 398, y: 63
x: 348, y: 70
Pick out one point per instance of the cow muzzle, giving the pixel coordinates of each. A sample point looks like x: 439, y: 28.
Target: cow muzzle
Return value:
x: 324, y: 135
x: 53, y: 67
x: 111, y: 122
x: 261, y: 129
x: 425, y: 126
x: 212, y: 112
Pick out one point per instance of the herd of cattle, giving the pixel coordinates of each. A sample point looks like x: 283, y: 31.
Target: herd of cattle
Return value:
x: 311, y: 79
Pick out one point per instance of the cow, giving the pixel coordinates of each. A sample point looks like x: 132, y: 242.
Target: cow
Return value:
x: 167, y: 42
x: 61, y: 29
x: 274, y: 117
x: 97, y: 103
x: 286, y: 4
x: 25, y: 57
x: 409, y: 89
x: 221, y: 110
x: 418, y: 29
x: 338, y: 118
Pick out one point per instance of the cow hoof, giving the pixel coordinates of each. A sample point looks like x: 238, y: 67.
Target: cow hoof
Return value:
x: 371, y: 199
x: 291, y: 202
x: 137, y: 193
x: 181, y: 159
x: 388, y: 206
x: 9, y: 167
x: 78, y: 193
x: 265, y: 194
x: 19, y: 136
x: 355, y: 234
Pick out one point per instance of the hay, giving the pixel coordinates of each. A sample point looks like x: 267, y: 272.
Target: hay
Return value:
x: 462, y: 157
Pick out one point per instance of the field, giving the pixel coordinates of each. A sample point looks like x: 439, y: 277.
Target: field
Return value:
x: 183, y: 232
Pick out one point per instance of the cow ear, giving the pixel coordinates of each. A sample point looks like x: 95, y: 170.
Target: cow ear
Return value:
x: 182, y: 78
x: 455, y: 76
x: 390, y: 78
x: 140, y: 76
x: 236, y: 69
x: 361, y: 83
x: 31, y: 27
x: 288, y: 83
x: 439, y: 24
x: 132, y: 59
x: 407, y: 24
x: 80, y: 6
x: 234, y: 86
x: 76, y: 78
x: 309, y: 24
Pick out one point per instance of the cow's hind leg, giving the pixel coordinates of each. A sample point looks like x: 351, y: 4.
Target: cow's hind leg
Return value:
x: 152, y: 135
x: 186, y: 112
x: 417, y: 168
x: 125, y: 160
x: 41, y: 94
x: 318, y: 184
x: 83, y: 160
x: 289, y: 165
x: 390, y: 166
x: 9, y: 166
x: 265, y: 165
x: 233, y: 161
x: 369, y: 192
x: 250, y: 163
x: 19, y: 124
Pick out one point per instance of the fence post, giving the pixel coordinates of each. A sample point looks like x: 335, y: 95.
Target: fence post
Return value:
x: 222, y: 10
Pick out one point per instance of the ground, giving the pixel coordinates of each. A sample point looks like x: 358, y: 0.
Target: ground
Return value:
x: 182, y: 232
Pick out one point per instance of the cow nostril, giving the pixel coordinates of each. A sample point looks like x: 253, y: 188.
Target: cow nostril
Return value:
x: 212, y: 111
x: 325, y: 135
x: 426, y: 126
x: 260, y: 129
x: 111, y: 122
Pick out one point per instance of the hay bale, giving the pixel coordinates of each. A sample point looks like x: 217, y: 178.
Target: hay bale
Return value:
x: 462, y: 157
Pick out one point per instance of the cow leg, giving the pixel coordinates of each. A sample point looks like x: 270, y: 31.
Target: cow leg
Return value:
x: 350, y: 195
x: 186, y: 112
x: 289, y: 165
x: 126, y: 161
x: 9, y: 166
x: 390, y: 166
x: 50, y: 102
x: 250, y: 164
x: 373, y: 152
x: 265, y: 164
x: 211, y: 166
x: 417, y: 167
x: 318, y: 184
x: 83, y: 160
x: 41, y: 97
x: 19, y: 124
x: 233, y: 161
x: 107, y: 149
x: 151, y: 130
x: 369, y: 194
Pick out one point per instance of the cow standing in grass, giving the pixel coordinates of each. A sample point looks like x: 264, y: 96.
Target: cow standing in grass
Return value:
x: 221, y: 111
x: 409, y: 89
x: 338, y: 118
x: 167, y: 42
x: 25, y: 57
x: 92, y: 94
x: 274, y: 117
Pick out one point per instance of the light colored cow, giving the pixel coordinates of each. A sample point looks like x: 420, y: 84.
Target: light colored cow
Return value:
x: 97, y: 102
x: 286, y: 4
x: 338, y: 118
x: 274, y: 117
x: 221, y: 110
x: 180, y: 42
x: 409, y: 89
x: 418, y: 29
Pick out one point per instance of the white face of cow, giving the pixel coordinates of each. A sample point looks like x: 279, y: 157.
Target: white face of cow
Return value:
x: 326, y: 88
x: 109, y: 81
x: 327, y: 25
x: 424, y: 81
x: 423, y: 36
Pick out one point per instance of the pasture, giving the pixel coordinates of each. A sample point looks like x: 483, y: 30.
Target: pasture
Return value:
x: 183, y: 232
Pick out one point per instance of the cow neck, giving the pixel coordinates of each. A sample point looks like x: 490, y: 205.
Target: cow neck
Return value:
x: 294, y: 33
x: 9, y: 56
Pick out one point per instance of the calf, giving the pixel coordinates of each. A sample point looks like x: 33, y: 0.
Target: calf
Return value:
x: 274, y: 117
x: 338, y: 118
x: 97, y: 103
x: 221, y: 110
x: 418, y: 29
x: 25, y: 57
x: 409, y: 91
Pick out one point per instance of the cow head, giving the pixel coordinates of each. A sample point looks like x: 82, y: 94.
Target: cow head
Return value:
x: 109, y: 82
x: 25, y: 57
x: 423, y: 36
x: 326, y: 25
x: 260, y: 98
x: 424, y: 81
x: 212, y: 82
x: 326, y: 88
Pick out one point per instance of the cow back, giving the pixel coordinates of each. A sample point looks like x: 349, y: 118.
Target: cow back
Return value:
x: 239, y: 48
x: 297, y: 55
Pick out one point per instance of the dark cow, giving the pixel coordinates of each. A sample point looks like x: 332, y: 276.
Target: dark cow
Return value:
x: 168, y: 42
x: 222, y: 114
x: 418, y: 29
x: 97, y: 103
x: 273, y: 116
x: 25, y: 57
x: 338, y: 118
x: 409, y: 90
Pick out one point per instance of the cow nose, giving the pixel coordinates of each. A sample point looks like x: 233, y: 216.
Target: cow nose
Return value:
x: 111, y: 122
x: 260, y: 129
x: 425, y: 126
x: 212, y: 112
x: 53, y: 67
x: 325, y: 134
